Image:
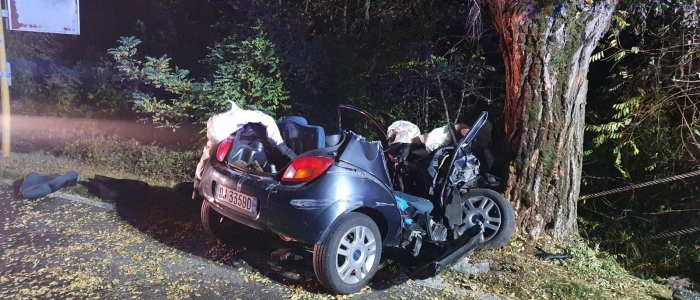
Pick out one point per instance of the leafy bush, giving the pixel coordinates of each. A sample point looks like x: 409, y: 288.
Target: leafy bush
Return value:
x: 24, y: 84
x: 650, y: 132
x: 245, y: 72
x: 84, y: 90
x: 63, y: 88
x: 101, y: 88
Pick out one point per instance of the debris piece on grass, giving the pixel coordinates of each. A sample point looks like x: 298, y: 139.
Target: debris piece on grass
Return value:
x: 546, y: 256
x: 36, y: 185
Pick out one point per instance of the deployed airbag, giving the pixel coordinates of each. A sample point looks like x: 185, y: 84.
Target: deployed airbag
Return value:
x: 402, y: 132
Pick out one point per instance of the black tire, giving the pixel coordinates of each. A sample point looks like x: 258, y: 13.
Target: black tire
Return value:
x: 494, y: 211
x: 214, y: 223
x: 329, y: 262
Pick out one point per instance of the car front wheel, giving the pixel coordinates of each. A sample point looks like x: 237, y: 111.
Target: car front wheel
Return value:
x: 349, y: 256
x: 494, y: 212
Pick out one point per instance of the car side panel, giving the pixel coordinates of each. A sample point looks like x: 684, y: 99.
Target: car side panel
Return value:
x: 367, y: 156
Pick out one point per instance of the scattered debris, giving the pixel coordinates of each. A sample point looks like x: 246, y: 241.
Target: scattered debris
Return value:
x: 546, y: 256
x: 681, y: 294
x: 252, y: 166
x: 285, y: 254
x: 438, y: 282
x: 465, y: 267
x: 678, y: 282
x: 36, y: 185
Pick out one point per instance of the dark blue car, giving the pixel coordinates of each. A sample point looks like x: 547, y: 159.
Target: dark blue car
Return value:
x: 341, y: 195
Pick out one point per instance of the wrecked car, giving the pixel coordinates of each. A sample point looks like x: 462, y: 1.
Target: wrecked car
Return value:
x: 341, y: 195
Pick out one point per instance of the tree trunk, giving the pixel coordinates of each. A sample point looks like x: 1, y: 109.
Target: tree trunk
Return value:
x: 546, y: 47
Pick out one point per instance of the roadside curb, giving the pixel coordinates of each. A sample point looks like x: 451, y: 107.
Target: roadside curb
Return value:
x: 74, y: 198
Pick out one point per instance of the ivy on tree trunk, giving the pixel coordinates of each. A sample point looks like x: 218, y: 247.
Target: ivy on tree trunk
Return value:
x: 546, y: 47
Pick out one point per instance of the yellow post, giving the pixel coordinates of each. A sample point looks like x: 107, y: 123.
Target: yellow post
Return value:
x: 4, y: 93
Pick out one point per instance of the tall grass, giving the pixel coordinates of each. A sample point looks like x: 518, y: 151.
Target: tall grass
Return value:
x: 133, y: 157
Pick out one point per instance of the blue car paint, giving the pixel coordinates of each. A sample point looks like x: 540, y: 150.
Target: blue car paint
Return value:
x: 305, y: 212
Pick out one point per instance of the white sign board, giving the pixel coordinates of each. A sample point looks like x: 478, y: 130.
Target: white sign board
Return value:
x: 51, y: 16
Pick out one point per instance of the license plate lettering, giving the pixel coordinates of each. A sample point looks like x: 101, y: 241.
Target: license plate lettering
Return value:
x: 236, y: 200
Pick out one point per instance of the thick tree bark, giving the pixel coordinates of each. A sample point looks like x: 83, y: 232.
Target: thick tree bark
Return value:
x: 546, y: 47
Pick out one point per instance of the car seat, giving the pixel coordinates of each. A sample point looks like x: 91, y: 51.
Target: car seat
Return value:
x: 300, y: 136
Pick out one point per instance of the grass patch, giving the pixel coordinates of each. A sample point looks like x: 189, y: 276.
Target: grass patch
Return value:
x: 517, y: 272
x: 108, y: 156
x: 572, y: 290
x: 130, y: 156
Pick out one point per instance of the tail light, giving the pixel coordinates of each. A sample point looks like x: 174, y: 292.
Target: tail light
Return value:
x: 306, y: 168
x: 223, y: 149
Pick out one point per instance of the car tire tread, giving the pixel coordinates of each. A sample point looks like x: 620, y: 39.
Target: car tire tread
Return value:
x: 211, y: 220
x: 324, y: 260
x: 507, y: 229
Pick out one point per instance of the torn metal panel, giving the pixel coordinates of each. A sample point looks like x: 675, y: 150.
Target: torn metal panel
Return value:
x: 367, y: 156
x: 50, y: 16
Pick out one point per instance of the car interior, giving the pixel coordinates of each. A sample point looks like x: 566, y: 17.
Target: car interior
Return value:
x: 300, y: 136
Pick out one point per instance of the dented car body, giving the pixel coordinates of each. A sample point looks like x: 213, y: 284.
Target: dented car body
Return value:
x: 341, y: 194
x: 305, y: 211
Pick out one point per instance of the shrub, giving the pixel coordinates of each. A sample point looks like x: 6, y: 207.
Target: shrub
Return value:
x: 245, y: 72
x: 131, y: 156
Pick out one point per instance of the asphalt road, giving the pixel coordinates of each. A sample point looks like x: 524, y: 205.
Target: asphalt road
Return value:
x: 153, y: 247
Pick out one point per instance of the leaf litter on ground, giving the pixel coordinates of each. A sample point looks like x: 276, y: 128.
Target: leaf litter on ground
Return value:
x: 116, y: 259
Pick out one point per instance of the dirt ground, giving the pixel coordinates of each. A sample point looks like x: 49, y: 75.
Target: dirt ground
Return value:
x: 154, y: 247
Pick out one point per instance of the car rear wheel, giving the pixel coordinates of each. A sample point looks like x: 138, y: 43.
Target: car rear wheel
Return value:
x: 349, y: 256
x: 494, y: 211
x: 215, y: 224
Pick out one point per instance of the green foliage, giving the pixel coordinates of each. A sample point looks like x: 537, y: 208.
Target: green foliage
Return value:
x: 655, y: 84
x: 24, y: 83
x: 246, y: 73
x: 63, y: 88
x: 131, y: 156
x: 572, y: 290
x: 155, y: 72
x: 84, y: 90
x: 102, y: 87
x: 595, y: 260
x: 32, y: 45
x: 643, y: 123
x: 453, y: 81
x: 378, y: 57
x: 42, y: 77
x: 612, y: 131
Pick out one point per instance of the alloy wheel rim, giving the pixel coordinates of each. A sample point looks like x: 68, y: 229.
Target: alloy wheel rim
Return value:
x: 356, y: 253
x: 482, y: 209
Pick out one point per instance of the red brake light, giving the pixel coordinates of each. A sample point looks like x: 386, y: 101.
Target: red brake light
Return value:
x: 223, y: 149
x: 306, y: 168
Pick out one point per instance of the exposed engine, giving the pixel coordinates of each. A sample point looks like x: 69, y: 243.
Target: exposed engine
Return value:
x: 465, y: 172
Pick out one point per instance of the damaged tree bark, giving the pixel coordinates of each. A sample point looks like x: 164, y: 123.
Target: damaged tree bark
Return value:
x: 546, y: 47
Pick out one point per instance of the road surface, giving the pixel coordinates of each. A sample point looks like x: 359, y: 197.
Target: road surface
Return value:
x: 153, y: 247
x: 56, y: 131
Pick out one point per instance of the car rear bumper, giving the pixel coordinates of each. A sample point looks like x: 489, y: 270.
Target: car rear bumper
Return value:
x: 302, y: 212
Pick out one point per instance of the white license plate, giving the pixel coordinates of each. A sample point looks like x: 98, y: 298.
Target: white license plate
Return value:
x: 236, y: 200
